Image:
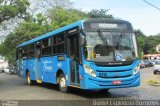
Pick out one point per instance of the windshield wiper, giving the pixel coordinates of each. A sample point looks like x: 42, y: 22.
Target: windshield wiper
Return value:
x: 102, y: 37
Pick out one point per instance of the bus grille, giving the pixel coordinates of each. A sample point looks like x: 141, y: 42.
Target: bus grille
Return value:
x: 114, y: 74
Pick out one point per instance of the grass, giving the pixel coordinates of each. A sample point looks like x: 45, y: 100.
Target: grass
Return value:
x: 154, y: 82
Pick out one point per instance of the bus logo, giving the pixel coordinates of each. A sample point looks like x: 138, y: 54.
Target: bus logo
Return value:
x: 118, y: 57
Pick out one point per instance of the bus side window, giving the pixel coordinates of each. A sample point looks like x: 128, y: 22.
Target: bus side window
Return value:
x: 25, y: 52
x: 58, y: 43
x: 31, y: 51
x: 46, y: 47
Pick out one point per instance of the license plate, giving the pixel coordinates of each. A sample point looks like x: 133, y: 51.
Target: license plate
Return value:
x: 116, y: 82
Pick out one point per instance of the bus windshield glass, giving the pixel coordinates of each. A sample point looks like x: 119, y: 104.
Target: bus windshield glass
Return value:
x: 115, y: 46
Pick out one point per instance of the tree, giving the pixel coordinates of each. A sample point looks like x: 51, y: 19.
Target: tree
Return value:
x: 147, y: 44
x: 141, y: 42
x: 27, y: 30
x: 36, y: 25
x: 12, y: 8
x: 60, y: 16
x: 55, y: 4
x: 7, y: 49
x: 42, y: 6
x: 151, y: 43
x: 102, y: 13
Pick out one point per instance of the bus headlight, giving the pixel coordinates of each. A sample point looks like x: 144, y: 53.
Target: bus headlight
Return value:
x: 136, y: 70
x: 89, y: 71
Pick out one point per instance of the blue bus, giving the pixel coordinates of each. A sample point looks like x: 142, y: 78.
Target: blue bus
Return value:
x: 92, y: 54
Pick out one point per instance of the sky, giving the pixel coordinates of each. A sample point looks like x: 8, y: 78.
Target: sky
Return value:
x: 139, y: 13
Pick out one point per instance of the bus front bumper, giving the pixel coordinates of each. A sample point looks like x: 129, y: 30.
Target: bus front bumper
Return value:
x: 103, y: 83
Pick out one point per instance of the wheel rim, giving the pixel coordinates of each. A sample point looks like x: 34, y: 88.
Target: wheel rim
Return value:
x: 28, y: 79
x: 62, y: 83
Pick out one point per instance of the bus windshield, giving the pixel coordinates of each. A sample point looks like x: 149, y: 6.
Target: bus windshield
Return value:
x: 115, y: 46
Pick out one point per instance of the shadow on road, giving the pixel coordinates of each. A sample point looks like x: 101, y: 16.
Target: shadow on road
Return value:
x: 88, y: 94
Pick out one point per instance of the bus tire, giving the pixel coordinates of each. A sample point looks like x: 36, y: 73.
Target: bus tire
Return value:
x: 62, y: 84
x: 103, y: 90
x: 29, y: 81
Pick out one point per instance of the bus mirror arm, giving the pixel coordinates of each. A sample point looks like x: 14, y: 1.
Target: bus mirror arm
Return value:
x: 82, y: 38
x: 82, y: 42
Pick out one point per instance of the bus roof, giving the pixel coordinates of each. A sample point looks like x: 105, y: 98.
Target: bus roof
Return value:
x: 68, y: 27
x: 52, y: 33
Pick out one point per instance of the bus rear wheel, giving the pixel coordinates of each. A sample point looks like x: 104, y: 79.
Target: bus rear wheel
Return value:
x: 62, y: 84
x: 29, y: 81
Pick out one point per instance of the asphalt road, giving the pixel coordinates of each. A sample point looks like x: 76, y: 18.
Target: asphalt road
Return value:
x: 14, y: 88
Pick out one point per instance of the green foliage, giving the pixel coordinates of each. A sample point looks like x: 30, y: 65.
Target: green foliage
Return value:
x: 151, y: 43
x: 147, y: 44
x: 141, y: 42
x: 102, y: 13
x: 39, y: 25
x: 12, y: 8
x: 25, y: 31
x: 7, y: 49
x: 57, y: 16
x: 60, y: 17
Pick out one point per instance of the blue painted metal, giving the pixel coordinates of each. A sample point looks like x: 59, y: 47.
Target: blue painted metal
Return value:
x: 121, y: 73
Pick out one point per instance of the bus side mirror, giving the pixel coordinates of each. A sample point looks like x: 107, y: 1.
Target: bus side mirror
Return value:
x: 82, y: 38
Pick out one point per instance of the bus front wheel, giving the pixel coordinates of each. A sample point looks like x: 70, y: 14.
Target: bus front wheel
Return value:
x: 62, y: 84
x: 29, y: 81
x: 103, y: 90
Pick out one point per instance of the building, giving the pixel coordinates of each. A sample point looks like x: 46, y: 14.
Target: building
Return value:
x: 3, y: 63
x: 152, y: 56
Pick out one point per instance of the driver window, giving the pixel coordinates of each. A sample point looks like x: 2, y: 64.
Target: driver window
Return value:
x: 126, y: 42
x: 90, y: 40
x: 99, y: 41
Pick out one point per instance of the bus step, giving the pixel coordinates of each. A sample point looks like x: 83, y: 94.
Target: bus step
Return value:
x: 39, y: 81
x: 74, y: 86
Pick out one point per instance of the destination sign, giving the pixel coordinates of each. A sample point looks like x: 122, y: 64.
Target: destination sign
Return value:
x: 90, y: 26
x: 103, y: 25
x: 107, y: 26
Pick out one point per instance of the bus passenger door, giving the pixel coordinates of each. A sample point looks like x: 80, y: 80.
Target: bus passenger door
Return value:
x: 73, y: 53
x: 37, y: 63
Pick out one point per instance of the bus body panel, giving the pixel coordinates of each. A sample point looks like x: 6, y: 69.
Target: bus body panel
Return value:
x: 97, y: 83
x: 118, y: 73
x: 46, y: 71
x: 28, y: 65
x: 19, y: 67
x: 24, y: 68
x: 81, y: 75
x: 50, y: 66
